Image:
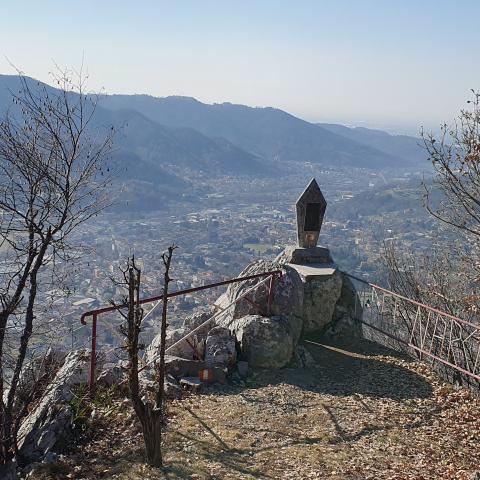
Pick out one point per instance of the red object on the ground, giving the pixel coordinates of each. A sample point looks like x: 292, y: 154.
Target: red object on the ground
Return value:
x: 206, y: 375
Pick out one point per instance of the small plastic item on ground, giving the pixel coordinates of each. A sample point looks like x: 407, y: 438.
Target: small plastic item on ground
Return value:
x: 193, y: 384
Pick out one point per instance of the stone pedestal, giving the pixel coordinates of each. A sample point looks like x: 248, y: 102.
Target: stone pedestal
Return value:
x: 304, y: 256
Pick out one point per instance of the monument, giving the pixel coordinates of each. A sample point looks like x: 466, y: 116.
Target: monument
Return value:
x: 310, y: 208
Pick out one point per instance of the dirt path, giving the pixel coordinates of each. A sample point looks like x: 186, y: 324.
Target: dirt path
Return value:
x: 362, y: 413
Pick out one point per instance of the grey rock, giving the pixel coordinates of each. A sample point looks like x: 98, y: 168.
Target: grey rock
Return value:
x: 50, y: 457
x: 40, y: 371
x: 347, y: 310
x: 320, y: 298
x: 172, y: 388
x: 242, y: 368
x: 265, y: 342
x: 191, y: 383
x: 302, y: 358
x: 9, y: 471
x: 182, y: 367
x: 173, y: 335
x: 287, y: 297
x: 113, y: 374
x: 219, y: 374
x: 49, y: 426
x: 197, y: 319
x: 310, y: 297
x: 220, y: 348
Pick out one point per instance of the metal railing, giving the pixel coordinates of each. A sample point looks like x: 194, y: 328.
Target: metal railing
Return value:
x: 272, y: 275
x: 434, y: 335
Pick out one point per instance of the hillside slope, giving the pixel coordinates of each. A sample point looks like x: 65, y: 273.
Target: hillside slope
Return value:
x: 267, y: 132
x: 402, y: 146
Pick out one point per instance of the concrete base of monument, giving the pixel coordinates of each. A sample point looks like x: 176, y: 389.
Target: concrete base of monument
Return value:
x: 304, y: 256
x: 313, y: 271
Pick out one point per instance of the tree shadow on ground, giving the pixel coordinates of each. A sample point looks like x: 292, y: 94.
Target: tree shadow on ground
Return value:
x: 342, y: 368
x: 345, y: 367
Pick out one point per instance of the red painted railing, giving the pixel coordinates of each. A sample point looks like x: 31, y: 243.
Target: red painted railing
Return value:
x: 99, y: 311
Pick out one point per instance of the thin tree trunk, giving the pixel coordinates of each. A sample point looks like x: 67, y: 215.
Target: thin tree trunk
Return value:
x: 152, y: 435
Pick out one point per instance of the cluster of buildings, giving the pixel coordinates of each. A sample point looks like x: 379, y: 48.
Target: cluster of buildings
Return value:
x: 237, y: 221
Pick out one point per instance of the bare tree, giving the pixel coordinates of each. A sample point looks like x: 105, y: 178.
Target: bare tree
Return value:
x: 52, y: 179
x: 437, y: 281
x: 150, y: 412
x: 455, y: 156
x: 447, y: 278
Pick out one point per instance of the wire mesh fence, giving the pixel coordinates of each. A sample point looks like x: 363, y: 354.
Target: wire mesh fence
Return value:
x: 450, y: 344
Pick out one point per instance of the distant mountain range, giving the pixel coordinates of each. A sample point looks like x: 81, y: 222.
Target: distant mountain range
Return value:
x: 275, y: 135
x: 164, y: 143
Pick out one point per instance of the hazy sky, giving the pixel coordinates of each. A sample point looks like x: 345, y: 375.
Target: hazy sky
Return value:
x: 397, y: 63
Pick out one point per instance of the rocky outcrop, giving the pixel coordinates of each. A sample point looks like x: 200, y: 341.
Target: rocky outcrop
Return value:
x: 287, y: 297
x: 320, y: 296
x: 220, y: 348
x: 309, y: 298
x: 265, y: 342
x: 49, y: 426
x: 39, y: 372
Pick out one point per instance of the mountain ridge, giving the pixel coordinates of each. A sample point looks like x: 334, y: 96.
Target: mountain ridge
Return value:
x: 164, y: 144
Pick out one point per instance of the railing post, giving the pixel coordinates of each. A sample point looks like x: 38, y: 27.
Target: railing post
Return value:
x: 93, y: 353
x: 271, y: 292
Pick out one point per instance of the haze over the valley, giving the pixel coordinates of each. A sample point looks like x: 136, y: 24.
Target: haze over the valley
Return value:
x: 394, y: 66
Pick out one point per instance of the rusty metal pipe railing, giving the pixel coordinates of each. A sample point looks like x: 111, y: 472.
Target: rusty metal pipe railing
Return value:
x: 94, y: 313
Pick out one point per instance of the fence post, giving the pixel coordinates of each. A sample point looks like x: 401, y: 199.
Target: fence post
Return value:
x: 93, y: 353
x: 270, y: 293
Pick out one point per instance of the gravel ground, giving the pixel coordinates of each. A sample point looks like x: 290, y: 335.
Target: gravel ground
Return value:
x: 361, y: 413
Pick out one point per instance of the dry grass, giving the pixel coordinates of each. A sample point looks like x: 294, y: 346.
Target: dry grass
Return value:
x: 362, y: 414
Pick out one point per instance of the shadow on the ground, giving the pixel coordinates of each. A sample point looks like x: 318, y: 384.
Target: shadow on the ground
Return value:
x: 347, y: 367
x: 342, y: 368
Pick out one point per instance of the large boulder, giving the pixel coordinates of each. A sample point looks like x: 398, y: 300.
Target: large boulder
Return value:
x: 306, y: 302
x: 265, y: 342
x: 320, y: 296
x: 347, y: 312
x: 220, y: 348
x: 287, y: 297
x: 311, y: 296
x: 49, y: 427
x: 173, y: 335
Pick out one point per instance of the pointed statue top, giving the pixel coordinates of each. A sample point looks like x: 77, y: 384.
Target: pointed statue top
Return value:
x: 310, y: 209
